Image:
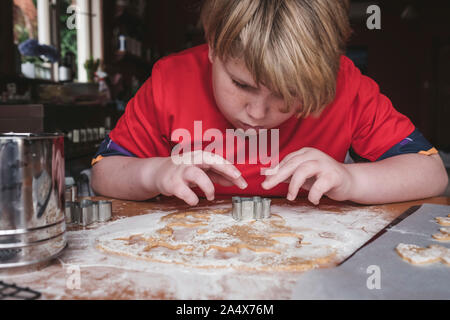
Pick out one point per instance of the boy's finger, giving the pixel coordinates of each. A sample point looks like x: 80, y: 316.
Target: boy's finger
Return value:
x: 223, y: 167
x: 217, y: 178
x: 298, y: 179
x: 292, y: 155
x: 199, y: 178
x: 319, y: 188
x: 183, y: 192
x: 284, y: 172
x: 231, y: 173
x: 297, y: 157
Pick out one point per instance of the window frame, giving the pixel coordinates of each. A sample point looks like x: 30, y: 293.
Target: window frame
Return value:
x: 89, y: 24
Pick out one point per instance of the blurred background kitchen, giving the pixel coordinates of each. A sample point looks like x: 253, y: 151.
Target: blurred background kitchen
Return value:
x: 71, y: 66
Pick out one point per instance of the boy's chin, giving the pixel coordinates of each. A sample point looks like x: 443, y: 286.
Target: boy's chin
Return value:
x: 246, y: 133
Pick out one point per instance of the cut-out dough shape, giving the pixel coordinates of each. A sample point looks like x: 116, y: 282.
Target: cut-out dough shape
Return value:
x: 443, y: 235
x: 419, y: 255
x: 443, y: 221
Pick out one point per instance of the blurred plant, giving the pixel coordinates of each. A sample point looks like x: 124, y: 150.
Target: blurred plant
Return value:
x: 21, y: 33
x: 91, y: 67
x: 68, y: 36
x: 34, y: 60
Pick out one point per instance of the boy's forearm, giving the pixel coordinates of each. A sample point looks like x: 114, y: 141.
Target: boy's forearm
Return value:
x: 401, y: 178
x: 126, y: 178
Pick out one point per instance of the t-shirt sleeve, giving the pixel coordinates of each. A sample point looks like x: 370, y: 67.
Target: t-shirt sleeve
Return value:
x: 140, y: 130
x: 375, y: 125
x: 414, y: 143
x: 109, y: 148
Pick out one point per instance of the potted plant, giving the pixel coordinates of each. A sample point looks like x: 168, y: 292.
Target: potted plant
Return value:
x: 28, y: 66
x: 91, y: 67
x: 34, y: 55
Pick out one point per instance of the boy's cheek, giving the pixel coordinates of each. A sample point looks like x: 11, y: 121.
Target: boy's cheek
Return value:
x: 229, y: 105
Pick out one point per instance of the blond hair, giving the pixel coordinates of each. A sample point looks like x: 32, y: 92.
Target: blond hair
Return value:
x: 292, y: 47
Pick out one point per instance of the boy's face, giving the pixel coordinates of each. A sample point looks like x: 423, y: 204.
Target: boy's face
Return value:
x: 241, y: 101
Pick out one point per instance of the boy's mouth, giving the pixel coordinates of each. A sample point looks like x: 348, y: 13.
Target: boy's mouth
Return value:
x: 247, y: 126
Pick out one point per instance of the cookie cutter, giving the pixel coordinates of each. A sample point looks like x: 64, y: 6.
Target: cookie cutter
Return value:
x: 71, y: 193
x: 255, y: 208
x: 87, y: 212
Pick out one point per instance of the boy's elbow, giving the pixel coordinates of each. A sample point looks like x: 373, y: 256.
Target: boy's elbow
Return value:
x: 442, y: 176
x: 96, y: 180
x: 444, y: 183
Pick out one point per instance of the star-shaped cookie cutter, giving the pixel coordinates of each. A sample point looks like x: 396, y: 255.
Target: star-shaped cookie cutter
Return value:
x: 255, y: 208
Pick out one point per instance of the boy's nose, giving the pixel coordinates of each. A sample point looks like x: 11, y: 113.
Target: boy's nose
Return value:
x: 257, y: 110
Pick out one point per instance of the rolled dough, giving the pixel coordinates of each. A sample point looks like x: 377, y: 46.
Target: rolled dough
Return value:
x: 212, y: 239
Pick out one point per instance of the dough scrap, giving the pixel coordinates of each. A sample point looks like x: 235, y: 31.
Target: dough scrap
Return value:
x: 443, y: 221
x: 443, y: 235
x: 421, y: 256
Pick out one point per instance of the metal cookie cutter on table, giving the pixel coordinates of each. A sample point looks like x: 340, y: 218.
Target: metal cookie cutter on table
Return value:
x: 255, y: 208
x: 87, y: 212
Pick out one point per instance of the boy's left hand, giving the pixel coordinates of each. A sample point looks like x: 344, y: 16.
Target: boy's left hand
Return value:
x: 313, y: 170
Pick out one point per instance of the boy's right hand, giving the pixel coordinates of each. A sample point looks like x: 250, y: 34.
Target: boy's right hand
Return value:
x: 177, y: 179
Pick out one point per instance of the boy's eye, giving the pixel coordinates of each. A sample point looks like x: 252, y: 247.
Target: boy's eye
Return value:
x: 240, y: 85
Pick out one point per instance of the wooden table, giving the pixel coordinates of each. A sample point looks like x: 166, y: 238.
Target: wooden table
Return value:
x: 109, y: 282
x: 131, y: 208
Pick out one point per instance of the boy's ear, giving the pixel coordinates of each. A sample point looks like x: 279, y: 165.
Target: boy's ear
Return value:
x: 211, y: 54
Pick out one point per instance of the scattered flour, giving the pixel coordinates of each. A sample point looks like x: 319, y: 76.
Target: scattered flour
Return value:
x: 112, y: 276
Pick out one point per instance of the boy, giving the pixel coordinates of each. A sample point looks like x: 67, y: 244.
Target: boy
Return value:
x: 274, y: 69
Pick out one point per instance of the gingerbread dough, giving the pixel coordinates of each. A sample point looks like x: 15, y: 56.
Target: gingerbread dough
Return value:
x: 211, y: 239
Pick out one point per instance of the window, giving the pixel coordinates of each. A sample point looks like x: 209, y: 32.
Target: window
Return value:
x: 88, y: 33
x: 25, y: 20
x: 73, y: 27
x: 68, y: 35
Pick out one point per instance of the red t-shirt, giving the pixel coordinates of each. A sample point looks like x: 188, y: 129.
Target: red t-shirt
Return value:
x: 180, y: 92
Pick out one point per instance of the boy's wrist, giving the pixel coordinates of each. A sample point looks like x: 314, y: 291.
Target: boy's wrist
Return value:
x: 149, y: 175
x: 355, y: 188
